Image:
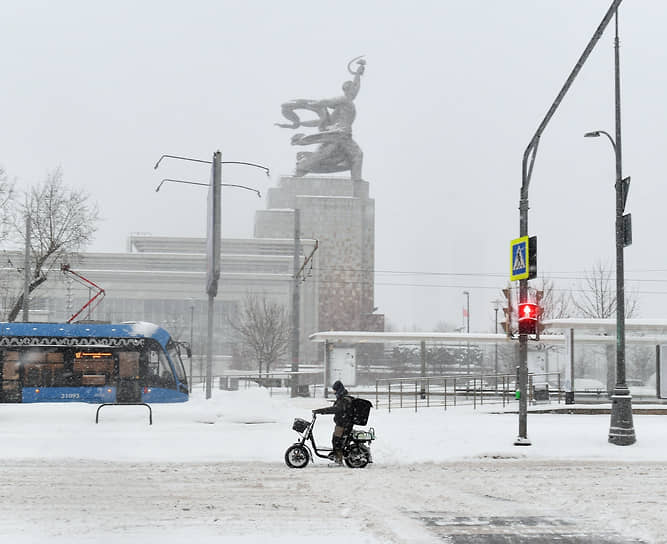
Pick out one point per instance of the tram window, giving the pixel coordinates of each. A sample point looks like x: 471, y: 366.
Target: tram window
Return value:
x: 92, y: 367
x: 159, y: 372
x: 40, y: 368
x: 128, y: 364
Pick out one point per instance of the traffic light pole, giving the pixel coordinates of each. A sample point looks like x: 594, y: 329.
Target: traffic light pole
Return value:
x: 522, y: 439
x: 527, y: 170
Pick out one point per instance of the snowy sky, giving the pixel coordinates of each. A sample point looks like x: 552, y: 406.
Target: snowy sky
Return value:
x: 452, y: 94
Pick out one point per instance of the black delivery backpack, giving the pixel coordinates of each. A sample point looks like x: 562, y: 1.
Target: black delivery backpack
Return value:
x: 360, y: 410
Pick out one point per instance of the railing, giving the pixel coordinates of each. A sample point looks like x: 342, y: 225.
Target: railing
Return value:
x: 447, y: 391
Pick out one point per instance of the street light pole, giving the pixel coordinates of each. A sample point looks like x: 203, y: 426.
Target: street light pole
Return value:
x: 621, y: 430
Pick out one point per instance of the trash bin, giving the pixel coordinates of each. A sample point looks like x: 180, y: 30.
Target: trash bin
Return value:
x: 569, y: 397
x: 541, y: 392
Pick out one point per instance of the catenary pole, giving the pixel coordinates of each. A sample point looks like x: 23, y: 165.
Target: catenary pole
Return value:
x: 296, y: 301
x: 214, y: 248
x: 213, y: 238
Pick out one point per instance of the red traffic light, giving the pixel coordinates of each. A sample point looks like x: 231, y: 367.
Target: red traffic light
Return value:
x: 528, y: 314
x: 527, y: 310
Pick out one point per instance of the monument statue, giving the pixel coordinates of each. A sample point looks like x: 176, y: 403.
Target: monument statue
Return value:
x: 337, y: 151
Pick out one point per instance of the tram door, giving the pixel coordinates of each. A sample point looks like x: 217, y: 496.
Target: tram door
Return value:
x: 10, y: 377
x: 128, y: 390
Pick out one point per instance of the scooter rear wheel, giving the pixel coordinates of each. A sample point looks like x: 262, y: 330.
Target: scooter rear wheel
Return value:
x: 356, y: 458
x: 297, y: 456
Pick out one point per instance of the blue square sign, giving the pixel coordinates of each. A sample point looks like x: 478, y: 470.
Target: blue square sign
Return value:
x: 519, y: 259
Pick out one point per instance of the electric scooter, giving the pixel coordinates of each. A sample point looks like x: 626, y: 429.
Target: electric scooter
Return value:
x: 356, y: 448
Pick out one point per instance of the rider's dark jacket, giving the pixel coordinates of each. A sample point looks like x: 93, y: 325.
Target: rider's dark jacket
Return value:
x: 341, y: 408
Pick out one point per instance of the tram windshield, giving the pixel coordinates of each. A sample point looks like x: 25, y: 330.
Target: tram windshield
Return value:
x: 175, y: 356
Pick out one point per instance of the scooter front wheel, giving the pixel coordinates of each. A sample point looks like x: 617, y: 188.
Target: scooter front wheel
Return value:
x: 297, y: 456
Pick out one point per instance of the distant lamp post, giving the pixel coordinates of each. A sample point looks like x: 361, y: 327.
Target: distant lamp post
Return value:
x: 467, y: 316
x: 497, y: 304
x: 621, y: 430
x: 192, y: 320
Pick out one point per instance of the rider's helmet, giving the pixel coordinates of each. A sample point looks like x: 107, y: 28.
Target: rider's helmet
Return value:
x: 338, y: 387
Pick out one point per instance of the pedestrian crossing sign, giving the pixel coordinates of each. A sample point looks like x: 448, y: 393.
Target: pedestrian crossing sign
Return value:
x: 519, y: 249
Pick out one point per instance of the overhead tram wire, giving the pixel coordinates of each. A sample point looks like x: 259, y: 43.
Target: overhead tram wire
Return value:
x: 461, y: 286
x: 546, y: 276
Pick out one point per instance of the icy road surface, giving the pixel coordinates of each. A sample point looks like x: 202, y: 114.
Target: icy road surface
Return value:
x: 213, y: 471
x: 108, y: 502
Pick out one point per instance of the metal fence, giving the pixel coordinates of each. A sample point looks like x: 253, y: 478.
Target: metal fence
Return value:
x: 445, y: 391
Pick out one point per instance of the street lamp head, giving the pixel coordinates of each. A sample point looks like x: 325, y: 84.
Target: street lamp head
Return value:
x: 593, y: 134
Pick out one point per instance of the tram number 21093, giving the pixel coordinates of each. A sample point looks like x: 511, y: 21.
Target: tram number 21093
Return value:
x: 69, y: 395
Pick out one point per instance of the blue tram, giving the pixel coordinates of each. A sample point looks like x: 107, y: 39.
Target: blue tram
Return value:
x: 90, y: 362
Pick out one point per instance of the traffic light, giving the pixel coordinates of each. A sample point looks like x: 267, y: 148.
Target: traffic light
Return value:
x: 528, y: 315
x: 507, y: 310
x: 532, y: 257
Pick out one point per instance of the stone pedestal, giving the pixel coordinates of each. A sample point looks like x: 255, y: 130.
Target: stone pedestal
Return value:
x: 340, y: 215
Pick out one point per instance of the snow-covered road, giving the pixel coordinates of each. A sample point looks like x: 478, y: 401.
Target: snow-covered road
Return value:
x: 213, y: 471
x: 100, y: 502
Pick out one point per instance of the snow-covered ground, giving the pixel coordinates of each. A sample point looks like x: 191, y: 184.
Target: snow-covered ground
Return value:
x: 213, y: 470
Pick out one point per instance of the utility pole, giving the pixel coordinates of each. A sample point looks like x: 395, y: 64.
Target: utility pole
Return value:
x: 296, y: 301
x: 214, y: 244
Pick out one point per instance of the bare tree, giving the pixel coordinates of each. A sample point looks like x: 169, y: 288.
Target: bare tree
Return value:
x: 263, y: 328
x: 597, y: 296
x: 555, y: 303
x: 597, y: 299
x: 63, y: 221
x: 6, y: 196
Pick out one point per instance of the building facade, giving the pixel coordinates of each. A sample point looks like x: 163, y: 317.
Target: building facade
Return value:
x: 162, y: 279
